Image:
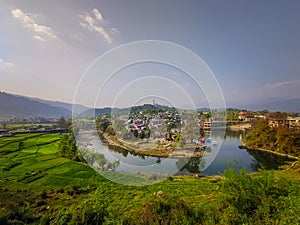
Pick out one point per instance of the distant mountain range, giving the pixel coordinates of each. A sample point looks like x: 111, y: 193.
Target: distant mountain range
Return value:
x: 290, y: 105
x: 21, y: 106
x: 77, y: 108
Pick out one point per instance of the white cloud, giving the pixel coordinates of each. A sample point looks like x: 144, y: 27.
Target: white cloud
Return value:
x: 29, y: 21
x: 114, y: 30
x: 5, y: 64
x: 282, y: 84
x: 39, y: 38
x: 98, y: 15
x: 94, y: 21
x: 279, y: 90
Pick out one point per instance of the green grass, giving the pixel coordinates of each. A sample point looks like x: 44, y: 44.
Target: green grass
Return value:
x: 39, y: 165
x: 38, y: 186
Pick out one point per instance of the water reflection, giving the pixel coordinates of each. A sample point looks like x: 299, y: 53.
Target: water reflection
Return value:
x: 267, y: 160
x: 115, y: 158
x: 192, y: 165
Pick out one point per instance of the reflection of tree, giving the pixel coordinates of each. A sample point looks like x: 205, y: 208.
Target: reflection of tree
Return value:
x: 255, y: 165
x: 192, y: 165
x: 103, y: 163
x: 125, y: 153
x: 118, y: 149
x: 231, y: 133
x: 267, y: 160
x: 158, y: 161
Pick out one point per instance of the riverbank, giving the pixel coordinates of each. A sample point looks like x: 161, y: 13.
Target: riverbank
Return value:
x: 240, y: 127
x: 244, y: 146
x: 115, y: 144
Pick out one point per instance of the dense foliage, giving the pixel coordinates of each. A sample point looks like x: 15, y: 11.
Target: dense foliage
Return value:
x: 68, y: 146
x: 280, y: 139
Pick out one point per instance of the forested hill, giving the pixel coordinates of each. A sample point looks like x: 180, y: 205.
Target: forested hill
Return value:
x: 278, y: 139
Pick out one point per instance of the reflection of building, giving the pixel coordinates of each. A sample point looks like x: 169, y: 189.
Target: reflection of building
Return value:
x: 213, y: 124
x: 206, y: 125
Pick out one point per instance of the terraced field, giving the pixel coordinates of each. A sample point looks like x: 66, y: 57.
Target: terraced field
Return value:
x: 38, y: 162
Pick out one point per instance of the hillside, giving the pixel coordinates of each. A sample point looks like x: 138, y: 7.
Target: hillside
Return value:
x: 20, y: 106
x: 69, y: 106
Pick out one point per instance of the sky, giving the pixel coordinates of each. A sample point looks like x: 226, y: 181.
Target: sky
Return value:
x: 251, y: 47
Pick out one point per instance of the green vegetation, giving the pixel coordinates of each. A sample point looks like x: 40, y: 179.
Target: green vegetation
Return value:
x: 39, y: 186
x: 68, y: 146
x: 278, y: 139
x: 64, y: 123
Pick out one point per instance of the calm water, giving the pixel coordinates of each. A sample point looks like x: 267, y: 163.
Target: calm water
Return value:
x: 229, y: 152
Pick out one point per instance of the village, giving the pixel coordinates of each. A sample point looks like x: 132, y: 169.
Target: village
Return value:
x: 274, y: 119
x: 21, y: 125
x: 170, y: 129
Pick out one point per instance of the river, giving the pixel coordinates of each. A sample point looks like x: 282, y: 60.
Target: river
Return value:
x: 213, y: 164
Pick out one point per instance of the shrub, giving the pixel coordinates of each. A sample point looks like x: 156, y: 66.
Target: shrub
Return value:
x: 161, y: 208
x: 260, y: 199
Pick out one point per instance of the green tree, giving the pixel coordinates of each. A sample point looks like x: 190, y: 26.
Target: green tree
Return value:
x: 141, y: 135
x: 147, y: 133
x: 102, y: 123
x: 64, y: 123
x: 68, y: 146
x: 135, y: 133
x: 61, y: 122
x: 280, y: 139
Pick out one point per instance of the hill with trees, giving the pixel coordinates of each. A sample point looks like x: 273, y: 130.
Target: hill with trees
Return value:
x: 279, y: 139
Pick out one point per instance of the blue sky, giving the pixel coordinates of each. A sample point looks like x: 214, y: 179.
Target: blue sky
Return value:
x: 252, y: 47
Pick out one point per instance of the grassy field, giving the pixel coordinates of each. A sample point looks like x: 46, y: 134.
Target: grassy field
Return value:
x: 38, y: 186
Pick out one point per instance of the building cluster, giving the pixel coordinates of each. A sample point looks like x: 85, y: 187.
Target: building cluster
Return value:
x: 158, y: 123
x: 34, y: 129
x: 5, y: 133
x: 274, y: 119
x: 31, y: 120
x: 250, y: 117
x: 207, y: 121
x: 19, y: 125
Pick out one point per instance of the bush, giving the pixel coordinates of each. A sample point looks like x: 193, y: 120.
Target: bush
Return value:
x: 92, y: 211
x: 260, y: 199
x: 161, y: 208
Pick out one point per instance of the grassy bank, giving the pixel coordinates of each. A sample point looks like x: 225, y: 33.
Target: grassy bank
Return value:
x: 38, y: 186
